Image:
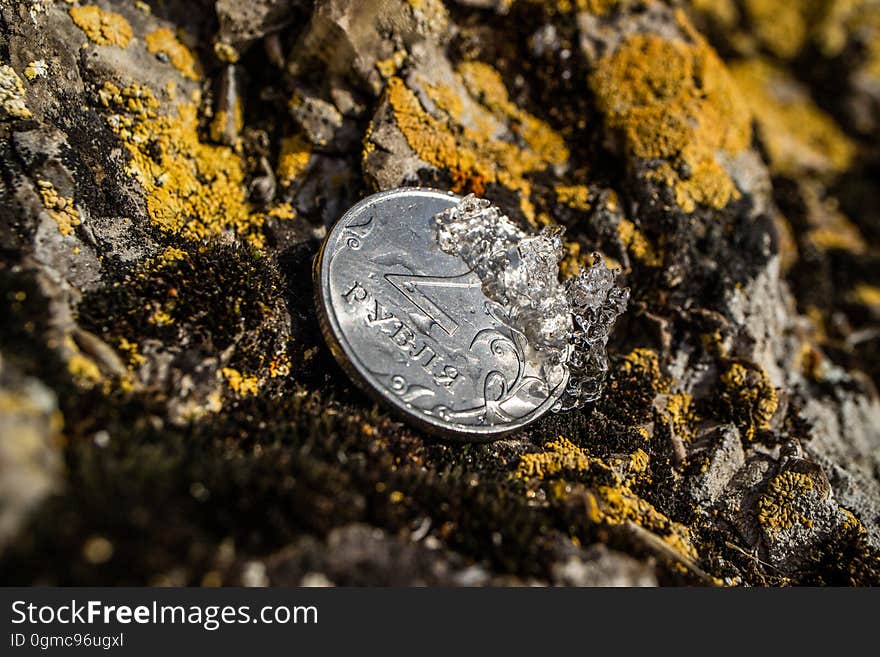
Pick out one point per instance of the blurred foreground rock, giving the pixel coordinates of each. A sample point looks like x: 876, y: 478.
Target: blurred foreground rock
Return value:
x: 167, y: 171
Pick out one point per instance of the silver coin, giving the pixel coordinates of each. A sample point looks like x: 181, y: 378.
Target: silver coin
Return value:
x: 412, y: 325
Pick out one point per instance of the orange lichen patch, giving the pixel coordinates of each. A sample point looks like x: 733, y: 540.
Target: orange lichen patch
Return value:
x: 241, y: 384
x: 637, y: 244
x: 751, y: 397
x: 674, y: 101
x: 106, y: 28
x: 778, y: 507
x: 84, y: 370
x: 226, y: 53
x: 561, y: 455
x: 293, y: 160
x: 721, y: 12
x: 135, y: 359
x: 170, y: 256
x: 545, y: 146
x: 193, y: 189
x: 799, y: 136
x: 644, y: 364
x: 780, y: 26
x: 13, y: 103
x: 679, y: 415
x: 598, y: 7
x: 576, y: 197
x: 575, y: 258
x: 389, y: 67
x: 616, y: 505
x: 60, y: 208
x: 282, y: 211
x: 841, y: 235
x: 785, y: 28
x: 640, y: 461
x: 465, y: 142
x: 788, y: 249
x: 606, y: 504
x: 227, y: 125
x: 160, y: 317
x: 166, y: 42
x: 868, y: 295
x: 279, y: 366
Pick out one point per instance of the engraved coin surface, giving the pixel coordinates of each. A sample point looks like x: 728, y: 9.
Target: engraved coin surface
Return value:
x: 412, y: 325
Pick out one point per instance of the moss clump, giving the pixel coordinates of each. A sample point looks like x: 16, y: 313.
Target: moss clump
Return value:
x: 166, y: 42
x: 213, y: 302
x: 106, y: 28
x: 674, y: 101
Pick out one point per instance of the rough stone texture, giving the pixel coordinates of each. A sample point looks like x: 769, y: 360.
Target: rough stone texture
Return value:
x: 167, y: 171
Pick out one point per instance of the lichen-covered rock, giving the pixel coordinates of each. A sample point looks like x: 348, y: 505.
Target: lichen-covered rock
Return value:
x: 165, y: 179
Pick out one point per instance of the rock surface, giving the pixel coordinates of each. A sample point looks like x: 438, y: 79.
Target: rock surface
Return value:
x: 167, y: 171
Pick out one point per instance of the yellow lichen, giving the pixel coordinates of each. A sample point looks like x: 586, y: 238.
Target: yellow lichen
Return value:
x: 798, y: 135
x: 785, y: 28
x: 293, y: 160
x: 560, y: 455
x: 227, y: 125
x: 575, y: 258
x: 194, y: 189
x: 780, y: 26
x: 467, y: 146
x: 242, y: 384
x: 135, y: 359
x: 576, y: 197
x: 36, y: 69
x: 680, y: 416
x: 282, y: 211
x: 106, y: 28
x: 60, y: 208
x: 389, y: 67
x: 616, y: 505
x: 164, y: 41
x: 12, y: 99
x: 644, y: 364
x: 868, y: 295
x: 751, y: 397
x: 778, y: 507
x: 640, y: 461
x: 598, y: 7
x: 84, y: 370
x: 612, y: 504
x: 637, y: 244
x: 674, y: 101
x: 160, y: 317
x: 226, y: 53
x: 171, y: 255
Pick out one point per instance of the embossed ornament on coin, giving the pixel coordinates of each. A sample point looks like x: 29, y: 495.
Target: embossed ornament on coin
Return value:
x: 466, y: 343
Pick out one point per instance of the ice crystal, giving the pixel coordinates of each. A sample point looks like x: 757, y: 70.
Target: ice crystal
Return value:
x: 564, y: 323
